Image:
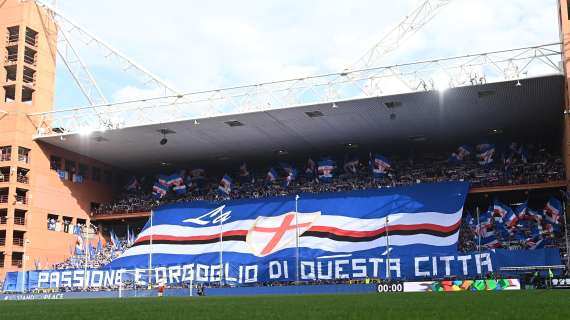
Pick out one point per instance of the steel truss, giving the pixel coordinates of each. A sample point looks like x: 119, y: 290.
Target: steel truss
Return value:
x: 409, y: 26
x: 438, y: 74
x: 68, y: 29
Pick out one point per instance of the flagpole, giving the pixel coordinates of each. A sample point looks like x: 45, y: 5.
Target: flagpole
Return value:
x: 150, y: 250
x: 388, y: 250
x: 478, y: 232
x: 221, y: 248
x: 564, y: 198
x: 297, y: 238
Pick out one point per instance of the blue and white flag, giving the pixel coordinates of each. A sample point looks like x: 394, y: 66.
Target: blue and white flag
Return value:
x: 159, y: 190
x: 180, y: 189
x: 343, y: 229
x: 271, y: 175
x: 502, y: 211
x: 461, y: 154
x: 77, y: 178
x: 380, y: 166
x: 63, y: 175
x: 325, y: 170
x: 174, y: 180
x: 485, y: 153
x: 552, y: 211
x: 225, y: 186
x: 163, y: 180
x: 243, y: 172
x: 291, y: 176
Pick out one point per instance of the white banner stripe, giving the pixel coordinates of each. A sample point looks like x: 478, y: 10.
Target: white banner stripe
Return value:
x: 336, y: 221
x: 330, y: 245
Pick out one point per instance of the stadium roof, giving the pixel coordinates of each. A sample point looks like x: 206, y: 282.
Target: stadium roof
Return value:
x: 453, y: 116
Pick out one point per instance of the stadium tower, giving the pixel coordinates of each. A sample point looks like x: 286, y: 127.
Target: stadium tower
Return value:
x: 31, y: 192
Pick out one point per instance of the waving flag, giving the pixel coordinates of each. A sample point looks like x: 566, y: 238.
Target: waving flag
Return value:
x: 311, y: 167
x: 380, y: 165
x: 461, y: 154
x: 243, y: 170
x: 502, y: 211
x: 552, y: 211
x: 486, y: 153
x: 351, y: 165
x: 325, y: 170
x: 225, y: 186
x: 163, y: 180
x: 133, y: 184
x: 99, y: 246
x: 174, y: 180
x: 79, y: 245
x: 271, y: 175
x: 255, y: 234
x: 180, y: 189
x: 291, y: 176
x: 159, y: 190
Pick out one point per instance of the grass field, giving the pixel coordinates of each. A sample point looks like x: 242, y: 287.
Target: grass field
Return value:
x: 458, y: 305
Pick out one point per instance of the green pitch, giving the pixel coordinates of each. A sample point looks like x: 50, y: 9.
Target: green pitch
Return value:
x: 459, y: 305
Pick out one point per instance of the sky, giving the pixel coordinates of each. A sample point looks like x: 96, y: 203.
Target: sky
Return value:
x: 202, y: 45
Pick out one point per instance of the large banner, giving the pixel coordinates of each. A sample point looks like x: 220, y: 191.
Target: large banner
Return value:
x: 330, y: 230
x: 399, y: 233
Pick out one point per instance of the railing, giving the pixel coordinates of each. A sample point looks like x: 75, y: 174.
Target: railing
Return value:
x: 3, y: 220
x: 30, y: 60
x: 11, y: 58
x: 6, y: 157
x: 429, y: 75
x: 12, y: 38
x: 21, y: 200
x: 4, y: 177
x: 32, y: 41
x: 29, y: 79
x: 21, y: 221
x: 23, y: 179
x: 24, y: 158
x: 1, y: 263
x: 4, y: 198
x: 18, y: 242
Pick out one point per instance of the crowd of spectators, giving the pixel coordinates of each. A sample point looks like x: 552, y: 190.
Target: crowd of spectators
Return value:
x: 96, y: 258
x: 539, y: 166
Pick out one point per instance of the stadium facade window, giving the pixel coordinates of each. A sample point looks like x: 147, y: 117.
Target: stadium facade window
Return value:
x: 70, y: 168
x: 67, y: 224
x: 5, y: 153
x: 568, y: 9
x: 54, y: 163
x: 17, y: 258
x: 52, y: 220
x: 83, y: 170
x: 108, y: 177
x: 24, y: 155
x: 95, y: 174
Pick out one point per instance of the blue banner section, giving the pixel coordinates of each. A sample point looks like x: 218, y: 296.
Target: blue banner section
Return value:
x: 413, y: 267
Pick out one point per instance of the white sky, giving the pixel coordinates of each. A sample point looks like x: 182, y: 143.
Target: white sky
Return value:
x: 198, y: 45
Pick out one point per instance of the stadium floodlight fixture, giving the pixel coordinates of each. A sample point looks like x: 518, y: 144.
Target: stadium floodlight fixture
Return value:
x: 518, y: 84
x: 164, y: 132
x: 334, y: 105
x: 196, y: 122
